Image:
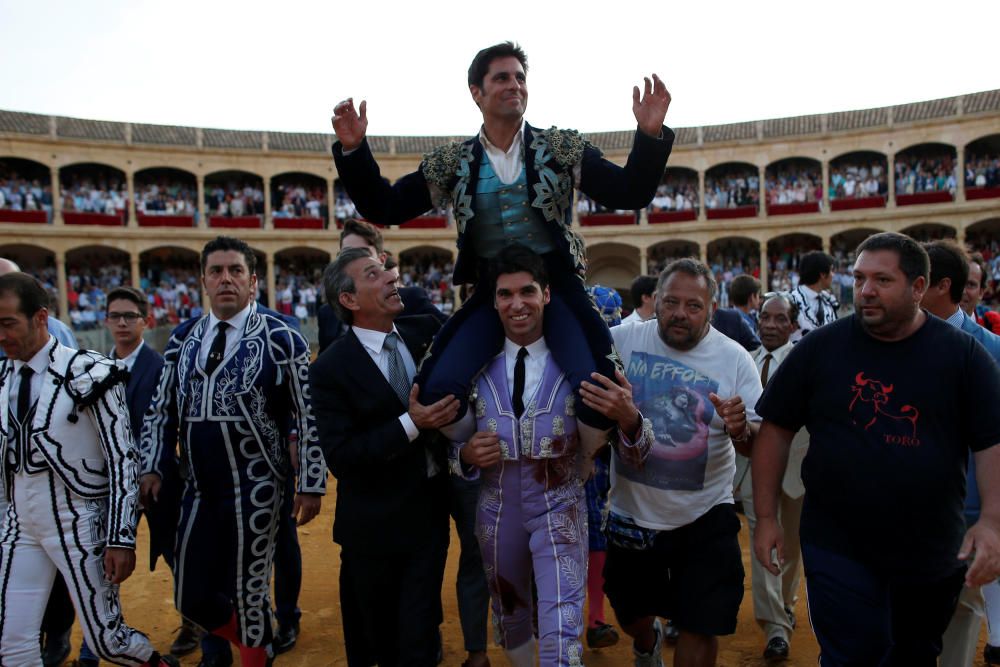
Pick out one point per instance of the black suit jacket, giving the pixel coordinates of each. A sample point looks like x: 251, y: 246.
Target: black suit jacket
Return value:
x: 163, y: 515
x: 730, y: 322
x: 415, y: 302
x: 385, y: 502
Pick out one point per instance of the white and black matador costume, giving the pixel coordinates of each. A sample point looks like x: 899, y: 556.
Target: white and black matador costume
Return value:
x: 232, y: 427
x: 71, y: 472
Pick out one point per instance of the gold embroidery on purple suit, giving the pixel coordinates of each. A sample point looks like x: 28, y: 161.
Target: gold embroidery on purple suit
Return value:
x: 480, y: 407
x: 491, y: 425
x: 571, y: 406
x: 558, y: 426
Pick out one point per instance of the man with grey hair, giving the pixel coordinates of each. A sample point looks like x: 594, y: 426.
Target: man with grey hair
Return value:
x: 682, y: 413
x: 381, y: 444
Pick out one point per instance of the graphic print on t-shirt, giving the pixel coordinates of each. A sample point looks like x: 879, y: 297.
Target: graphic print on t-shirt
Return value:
x: 871, y: 408
x: 674, y: 397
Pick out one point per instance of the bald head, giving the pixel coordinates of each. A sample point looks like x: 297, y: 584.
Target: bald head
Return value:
x: 7, y: 266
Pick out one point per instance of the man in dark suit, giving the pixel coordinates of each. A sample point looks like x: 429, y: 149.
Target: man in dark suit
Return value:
x: 379, y: 442
x: 730, y: 322
x: 361, y: 234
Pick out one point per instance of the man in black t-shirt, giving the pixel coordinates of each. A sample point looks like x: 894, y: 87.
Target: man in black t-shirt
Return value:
x: 893, y: 399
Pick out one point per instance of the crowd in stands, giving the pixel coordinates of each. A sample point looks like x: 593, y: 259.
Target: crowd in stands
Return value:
x: 982, y: 171
x: 299, y: 292
x: 731, y: 188
x: 680, y: 194
x: 17, y: 193
x: 95, y: 193
x: 297, y: 200
x: 925, y: 173
x: 436, y: 279
x: 793, y: 183
x: 87, y: 287
x: 174, y: 294
x: 850, y: 180
x: 587, y: 206
x: 234, y: 200
x: 165, y: 197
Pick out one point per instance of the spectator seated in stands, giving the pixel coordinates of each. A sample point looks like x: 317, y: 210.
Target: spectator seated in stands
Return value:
x: 166, y: 198
x: 858, y: 181
x: 99, y: 194
x: 927, y: 173
x: 733, y: 188
x: 675, y: 196
x: 295, y: 200
x: 235, y: 200
x: 20, y: 194
x: 793, y: 185
x: 982, y: 171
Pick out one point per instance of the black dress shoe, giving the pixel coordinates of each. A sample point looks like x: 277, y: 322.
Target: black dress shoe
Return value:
x: 56, y: 649
x: 991, y: 654
x: 187, y: 640
x: 285, y: 638
x: 776, y: 650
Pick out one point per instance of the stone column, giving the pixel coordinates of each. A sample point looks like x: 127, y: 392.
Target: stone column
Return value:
x: 134, y: 268
x: 268, y: 217
x: 331, y: 221
x: 762, y: 259
x: 272, y: 297
x: 702, y: 215
x: 644, y: 217
x: 202, y: 220
x: 891, y: 168
x: 762, y: 194
x: 130, y: 186
x: 960, y: 174
x: 826, y: 187
x: 703, y: 252
x: 643, y: 261
x: 61, y: 279
x: 57, y: 211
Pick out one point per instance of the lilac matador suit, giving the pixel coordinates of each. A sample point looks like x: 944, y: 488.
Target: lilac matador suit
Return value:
x: 532, y: 514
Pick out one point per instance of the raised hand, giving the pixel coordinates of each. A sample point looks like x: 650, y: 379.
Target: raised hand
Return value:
x: 649, y: 111
x: 349, y: 125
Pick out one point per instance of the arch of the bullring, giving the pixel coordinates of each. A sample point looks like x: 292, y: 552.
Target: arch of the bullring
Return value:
x: 955, y: 122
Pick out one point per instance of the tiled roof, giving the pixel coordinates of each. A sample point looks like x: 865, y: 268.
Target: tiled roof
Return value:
x: 907, y: 113
x: 231, y: 139
x: 299, y: 141
x: 730, y: 132
x: 784, y: 127
x: 79, y: 128
x: 853, y: 120
x: 23, y: 123
x: 977, y: 102
x: 16, y: 122
x: 172, y: 135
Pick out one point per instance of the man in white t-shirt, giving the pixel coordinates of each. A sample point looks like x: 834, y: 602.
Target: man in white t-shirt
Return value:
x: 643, y: 292
x: 681, y: 409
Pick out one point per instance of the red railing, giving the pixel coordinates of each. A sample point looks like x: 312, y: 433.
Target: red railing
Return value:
x: 298, y: 223
x: 426, y: 222
x: 855, y: 203
x: 657, y: 217
x: 982, y: 193
x: 935, y: 197
x: 164, y: 220
x: 7, y: 215
x: 78, y: 218
x: 727, y: 213
x: 241, y: 222
x: 793, y: 209
x: 598, y: 219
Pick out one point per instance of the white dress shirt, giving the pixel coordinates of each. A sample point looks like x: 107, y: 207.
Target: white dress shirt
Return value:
x: 234, y: 335
x: 506, y: 163
x: 129, y: 361
x: 534, y: 366
x: 373, y: 342
x: 39, y: 364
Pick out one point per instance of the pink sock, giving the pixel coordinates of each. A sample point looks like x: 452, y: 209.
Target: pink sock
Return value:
x: 228, y: 631
x: 595, y: 589
x: 253, y: 657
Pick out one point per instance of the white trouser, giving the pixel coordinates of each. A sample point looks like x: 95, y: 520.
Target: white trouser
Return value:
x: 46, y: 529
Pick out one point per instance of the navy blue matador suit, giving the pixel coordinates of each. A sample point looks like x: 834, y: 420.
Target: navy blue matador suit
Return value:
x: 231, y: 428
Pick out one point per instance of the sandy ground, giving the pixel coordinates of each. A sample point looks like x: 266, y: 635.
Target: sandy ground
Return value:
x: 147, y: 601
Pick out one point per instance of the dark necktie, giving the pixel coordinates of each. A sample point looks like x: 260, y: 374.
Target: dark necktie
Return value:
x: 766, y: 369
x: 820, y: 315
x: 218, y: 349
x: 518, y: 398
x: 398, y: 377
x: 24, y: 393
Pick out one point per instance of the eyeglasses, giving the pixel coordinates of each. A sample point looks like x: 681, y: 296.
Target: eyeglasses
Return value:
x: 130, y: 318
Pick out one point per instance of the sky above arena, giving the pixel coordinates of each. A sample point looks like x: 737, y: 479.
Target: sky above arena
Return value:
x: 283, y: 65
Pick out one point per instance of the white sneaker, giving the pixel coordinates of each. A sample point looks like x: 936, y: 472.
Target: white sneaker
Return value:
x: 655, y: 657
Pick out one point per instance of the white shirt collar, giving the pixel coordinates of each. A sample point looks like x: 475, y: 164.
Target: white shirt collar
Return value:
x: 515, y: 145
x: 129, y: 361
x: 237, y: 321
x: 536, y: 350
x: 372, y: 339
x: 40, y: 361
x: 775, y: 353
x: 809, y: 293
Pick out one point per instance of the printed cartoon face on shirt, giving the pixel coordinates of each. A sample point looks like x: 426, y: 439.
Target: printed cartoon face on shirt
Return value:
x: 674, y: 397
